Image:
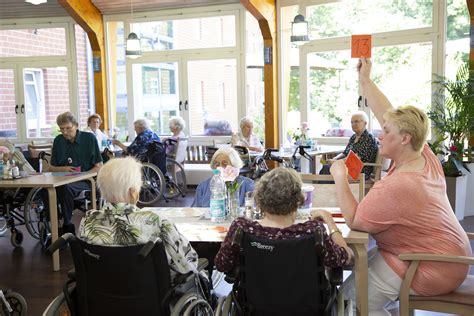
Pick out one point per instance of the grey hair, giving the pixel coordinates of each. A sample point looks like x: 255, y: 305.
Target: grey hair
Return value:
x: 245, y: 121
x: 279, y: 191
x: 177, y: 122
x: 66, y: 117
x: 141, y: 123
x: 362, y: 114
x: 117, y: 177
x: 230, y: 152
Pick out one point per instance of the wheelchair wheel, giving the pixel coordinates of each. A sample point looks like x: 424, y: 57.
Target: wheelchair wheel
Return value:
x: 16, y: 238
x: 44, y: 234
x: 191, y: 304
x: 153, y: 184
x: 17, y: 304
x: 176, y: 179
x: 3, y: 226
x: 34, y: 212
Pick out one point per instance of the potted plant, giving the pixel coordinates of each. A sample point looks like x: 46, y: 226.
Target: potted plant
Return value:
x: 452, y: 117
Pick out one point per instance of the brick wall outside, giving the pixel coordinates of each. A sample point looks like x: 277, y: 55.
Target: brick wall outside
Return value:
x: 42, y: 42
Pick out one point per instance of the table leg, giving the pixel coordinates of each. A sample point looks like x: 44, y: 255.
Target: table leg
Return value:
x: 361, y: 268
x: 53, y: 213
x: 93, y: 193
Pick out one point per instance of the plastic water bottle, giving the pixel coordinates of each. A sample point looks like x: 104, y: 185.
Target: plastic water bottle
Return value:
x: 217, y: 208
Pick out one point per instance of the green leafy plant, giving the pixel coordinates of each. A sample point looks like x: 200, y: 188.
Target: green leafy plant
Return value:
x: 452, y: 118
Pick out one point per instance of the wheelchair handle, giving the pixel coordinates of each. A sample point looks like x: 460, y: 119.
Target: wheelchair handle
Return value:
x: 60, y: 242
x: 146, y: 249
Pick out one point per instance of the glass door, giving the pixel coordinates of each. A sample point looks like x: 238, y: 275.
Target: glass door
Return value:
x: 212, y: 97
x: 156, y: 94
x: 10, y: 105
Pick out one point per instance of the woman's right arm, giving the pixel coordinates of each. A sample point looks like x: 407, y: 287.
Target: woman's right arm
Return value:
x: 377, y: 101
x: 228, y: 255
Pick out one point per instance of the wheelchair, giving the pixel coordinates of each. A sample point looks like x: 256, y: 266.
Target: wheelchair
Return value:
x: 280, y: 277
x: 127, y: 280
x: 12, y: 303
x: 162, y: 176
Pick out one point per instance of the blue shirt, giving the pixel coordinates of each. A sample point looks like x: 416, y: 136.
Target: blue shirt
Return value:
x: 203, y: 191
x: 140, y: 145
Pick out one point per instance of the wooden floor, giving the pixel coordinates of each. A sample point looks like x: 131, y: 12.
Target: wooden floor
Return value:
x: 28, y: 270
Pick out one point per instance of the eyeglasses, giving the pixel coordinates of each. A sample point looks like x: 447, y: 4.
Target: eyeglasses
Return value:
x: 66, y: 128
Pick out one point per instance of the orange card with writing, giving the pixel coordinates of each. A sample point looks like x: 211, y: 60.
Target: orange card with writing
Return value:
x: 361, y: 46
x: 354, y: 165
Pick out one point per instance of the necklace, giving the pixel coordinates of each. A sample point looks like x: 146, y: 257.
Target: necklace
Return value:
x: 405, y: 162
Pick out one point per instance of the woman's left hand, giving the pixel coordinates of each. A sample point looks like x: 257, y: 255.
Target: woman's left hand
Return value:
x: 322, y: 214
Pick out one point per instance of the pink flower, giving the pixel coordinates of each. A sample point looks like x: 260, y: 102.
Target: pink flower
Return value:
x: 4, y: 150
x: 229, y: 173
x: 453, y: 148
x: 304, y: 126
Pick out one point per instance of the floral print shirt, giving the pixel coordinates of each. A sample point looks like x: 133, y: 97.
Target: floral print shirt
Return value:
x: 366, y: 148
x: 125, y: 224
x: 228, y: 257
x: 140, y: 144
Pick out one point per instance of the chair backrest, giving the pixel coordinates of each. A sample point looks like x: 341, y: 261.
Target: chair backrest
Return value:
x: 283, y: 277
x: 459, y: 302
x: 156, y: 154
x: 118, y: 281
x: 324, y: 193
x: 36, y: 148
x: 380, y: 166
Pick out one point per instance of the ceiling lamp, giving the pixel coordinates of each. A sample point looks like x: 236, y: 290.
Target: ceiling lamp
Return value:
x: 299, y: 30
x: 36, y: 2
x: 133, y: 47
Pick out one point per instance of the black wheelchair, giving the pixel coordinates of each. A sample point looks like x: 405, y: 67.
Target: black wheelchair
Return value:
x: 280, y: 277
x: 162, y: 176
x: 127, y: 280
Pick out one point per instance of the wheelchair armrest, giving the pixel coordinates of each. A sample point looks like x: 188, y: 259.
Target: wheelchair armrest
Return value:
x: 233, y: 275
x: 71, y: 274
x: 202, y: 264
x: 334, y: 275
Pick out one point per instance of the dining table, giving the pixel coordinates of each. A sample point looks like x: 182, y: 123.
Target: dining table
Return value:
x: 192, y: 224
x: 50, y: 181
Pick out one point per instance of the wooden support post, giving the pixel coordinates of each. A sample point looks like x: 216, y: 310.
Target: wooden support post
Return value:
x: 86, y: 14
x: 265, y: 12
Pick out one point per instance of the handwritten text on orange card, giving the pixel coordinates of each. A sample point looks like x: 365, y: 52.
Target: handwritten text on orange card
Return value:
x: 361, y: 46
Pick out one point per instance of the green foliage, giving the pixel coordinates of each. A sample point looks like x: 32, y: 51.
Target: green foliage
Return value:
x: 458, y: 18
x: 452, y: 116
x: 55, y: 130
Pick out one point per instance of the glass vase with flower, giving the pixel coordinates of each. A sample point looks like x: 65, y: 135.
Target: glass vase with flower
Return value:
x: 230, y: 174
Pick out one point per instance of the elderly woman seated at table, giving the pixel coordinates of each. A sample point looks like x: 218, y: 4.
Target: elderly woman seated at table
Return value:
x: 121, y: 222
x: 278, y: 195
x: 223, y: 157
x: 362, y: 143
x: 245, y: 137
x: 144, y: 137
x: 93, y: 124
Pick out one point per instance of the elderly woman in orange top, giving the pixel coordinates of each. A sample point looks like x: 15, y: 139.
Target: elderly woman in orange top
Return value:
x: 407, y: 211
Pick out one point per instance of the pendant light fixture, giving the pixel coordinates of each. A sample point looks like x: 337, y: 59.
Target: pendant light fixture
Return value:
x: 36, y: 2
x: 133, y: 47
x: 299, y: 27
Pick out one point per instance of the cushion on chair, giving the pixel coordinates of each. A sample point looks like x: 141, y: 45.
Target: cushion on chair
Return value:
x: 462, y: 295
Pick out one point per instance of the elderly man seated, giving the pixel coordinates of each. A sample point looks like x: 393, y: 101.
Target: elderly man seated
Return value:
x: 144, y: 137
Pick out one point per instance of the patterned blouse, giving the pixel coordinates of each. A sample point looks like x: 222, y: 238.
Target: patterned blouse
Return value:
x: 140, y: 144
x: 366, y: 148
x: 228, y: 257
x: 126, y: 224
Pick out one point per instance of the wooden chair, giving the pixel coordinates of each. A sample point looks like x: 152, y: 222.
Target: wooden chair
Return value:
x: 380, y: 166
x: 324, y: 195
x: 36, y: 148
x: 459, y: 301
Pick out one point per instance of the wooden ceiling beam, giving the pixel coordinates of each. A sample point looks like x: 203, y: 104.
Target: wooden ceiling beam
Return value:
x: 265, y: 11
x: 85, y: 13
